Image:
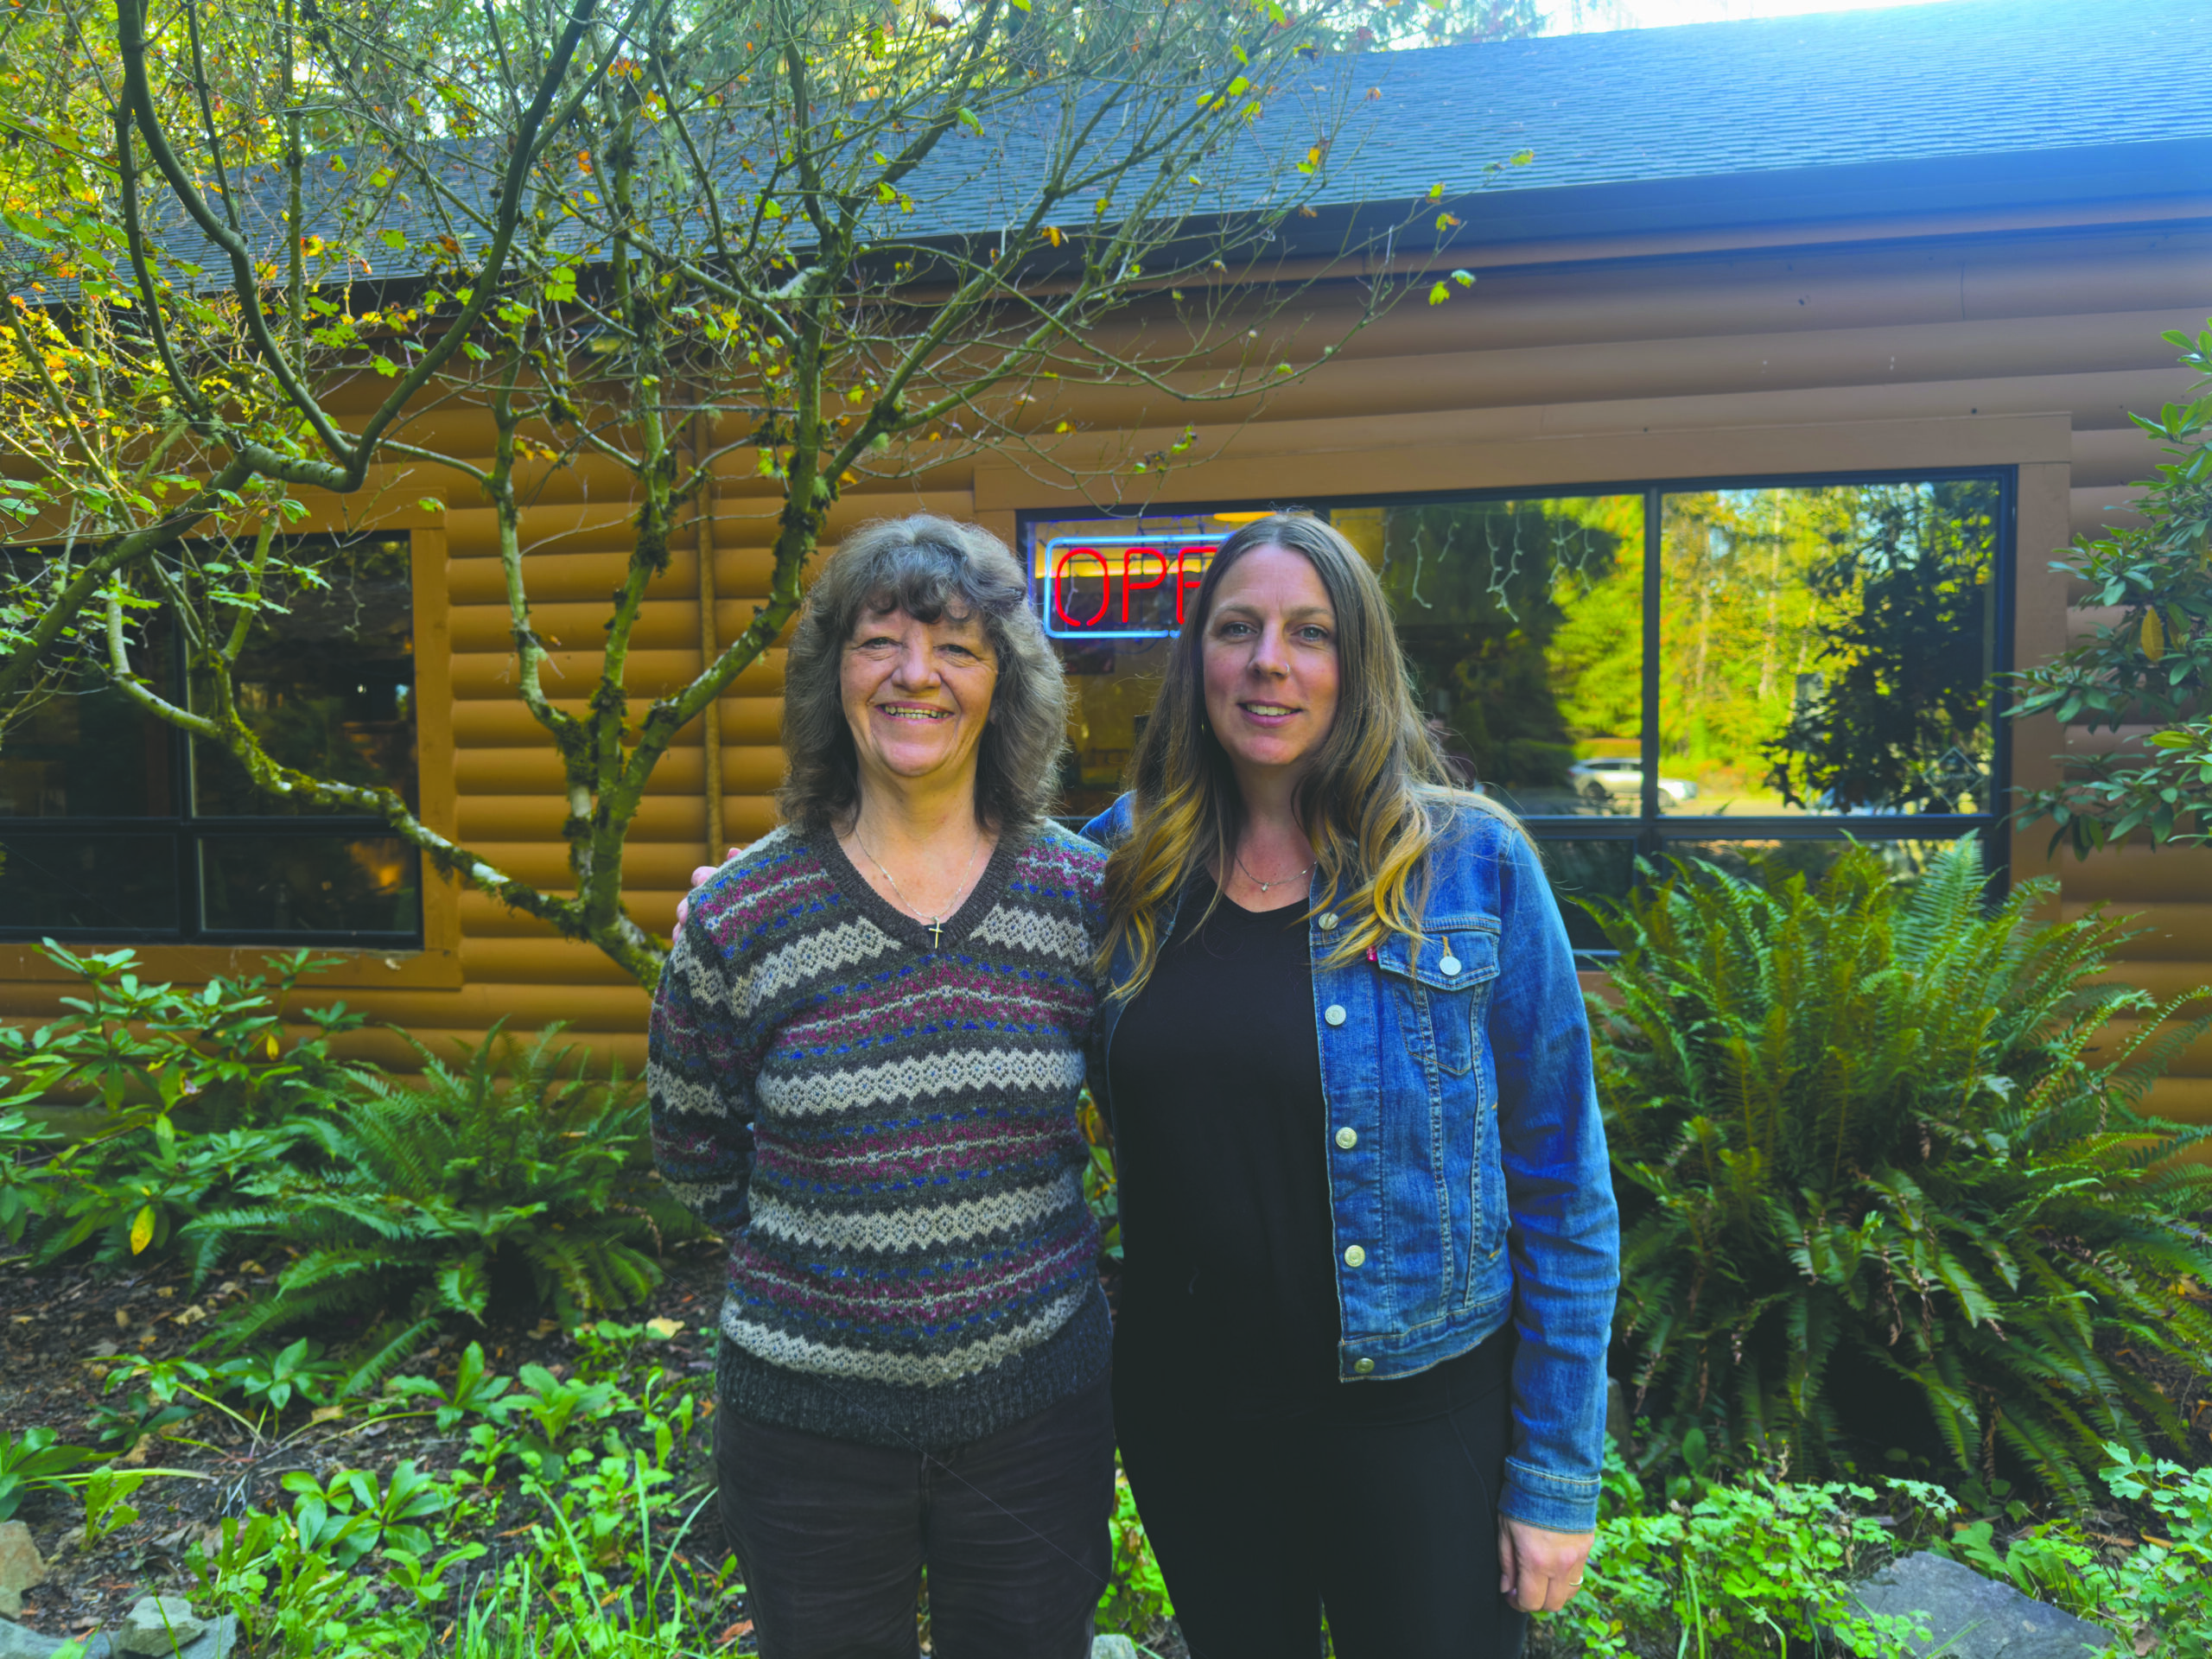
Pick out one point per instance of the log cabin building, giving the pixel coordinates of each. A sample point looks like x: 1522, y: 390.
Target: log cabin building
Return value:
x: 1782, y: 319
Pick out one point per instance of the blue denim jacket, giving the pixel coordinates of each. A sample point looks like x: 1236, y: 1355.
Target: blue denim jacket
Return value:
x: 1467, y: 1170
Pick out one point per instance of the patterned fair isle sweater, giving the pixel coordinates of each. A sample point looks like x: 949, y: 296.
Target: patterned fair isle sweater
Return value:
x: 884, y: 1128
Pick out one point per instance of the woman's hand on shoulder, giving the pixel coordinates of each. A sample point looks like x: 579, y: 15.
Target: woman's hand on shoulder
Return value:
x: 1540, y: 1569
x: 700, y: 877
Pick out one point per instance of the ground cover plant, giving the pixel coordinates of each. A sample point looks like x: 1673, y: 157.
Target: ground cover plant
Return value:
x: 1881, y: 1162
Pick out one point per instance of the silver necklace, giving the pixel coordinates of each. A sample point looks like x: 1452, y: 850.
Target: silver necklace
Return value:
x: 935, y: 923
x: 1264, y: 886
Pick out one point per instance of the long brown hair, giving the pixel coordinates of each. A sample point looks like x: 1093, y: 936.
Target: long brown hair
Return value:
x: 1370, y: 801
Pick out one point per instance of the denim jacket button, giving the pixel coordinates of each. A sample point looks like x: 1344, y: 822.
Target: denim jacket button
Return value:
x: 1354, y: 1256
x: 1363, y: 1366
x: 1334, y: 1013
x: 1450, y: 965
x: 1347, y: 1137
x: 1328, y: 921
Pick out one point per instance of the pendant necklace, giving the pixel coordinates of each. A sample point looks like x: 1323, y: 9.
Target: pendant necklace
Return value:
x: 1277, y: 882
x: 935, y: 923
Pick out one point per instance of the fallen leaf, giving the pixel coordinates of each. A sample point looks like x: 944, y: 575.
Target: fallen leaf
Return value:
x: 121, y: 1319
x: 663, y: 1328
x: 326, y: 1414
x: 740, y: 1628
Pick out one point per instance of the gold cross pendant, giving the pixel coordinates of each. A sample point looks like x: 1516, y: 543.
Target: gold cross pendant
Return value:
x: 936, y: 933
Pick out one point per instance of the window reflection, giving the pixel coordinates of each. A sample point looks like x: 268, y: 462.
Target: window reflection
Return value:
x: 1522, y: 623
x: 326, y: 682
x: 64, y: 882
x: 81, y: 749
x: 309, y: 884
x: 1828, y: 650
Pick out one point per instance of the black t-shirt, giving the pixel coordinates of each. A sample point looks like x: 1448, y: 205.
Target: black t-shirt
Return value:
x: 1221, y: 1135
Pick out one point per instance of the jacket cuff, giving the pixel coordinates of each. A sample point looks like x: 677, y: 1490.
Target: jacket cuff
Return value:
x: 1555, y: 1502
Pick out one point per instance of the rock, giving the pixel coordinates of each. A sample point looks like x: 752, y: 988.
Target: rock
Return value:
x: 1112, y: 1647
x: 1972, y: 1618
x: 21, y: 1569
x: 159, y: 1626
x: 17, y: 1642
x: 221, y: 1637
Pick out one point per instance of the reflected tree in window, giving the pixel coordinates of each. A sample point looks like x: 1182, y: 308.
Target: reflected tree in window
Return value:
x: 1827, y: 649
x: 1897, y: 717
x: 1522, y: 625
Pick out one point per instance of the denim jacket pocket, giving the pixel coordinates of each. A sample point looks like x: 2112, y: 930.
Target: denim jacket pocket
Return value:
x: 1440, y: 984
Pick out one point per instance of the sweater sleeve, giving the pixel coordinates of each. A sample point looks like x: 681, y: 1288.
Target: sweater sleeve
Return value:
x: 699, y: 1077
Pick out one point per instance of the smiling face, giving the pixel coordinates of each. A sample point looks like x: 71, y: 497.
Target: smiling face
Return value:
x: 1271, y: 667
x: 916, y: 695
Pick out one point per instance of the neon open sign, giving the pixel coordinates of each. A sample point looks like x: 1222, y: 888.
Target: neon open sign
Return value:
x: 1122, y: 587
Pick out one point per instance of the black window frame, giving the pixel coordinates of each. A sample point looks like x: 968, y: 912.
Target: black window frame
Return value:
x: 1648, y: 829
x: 187, y: 830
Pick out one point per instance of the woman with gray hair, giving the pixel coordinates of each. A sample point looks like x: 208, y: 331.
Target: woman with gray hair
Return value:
x: 866, y: 1052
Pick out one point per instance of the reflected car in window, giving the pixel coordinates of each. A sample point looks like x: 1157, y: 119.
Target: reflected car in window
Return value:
x: 1623, y: 774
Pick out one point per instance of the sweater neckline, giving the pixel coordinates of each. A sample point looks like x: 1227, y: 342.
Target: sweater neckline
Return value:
x: 909, y: 929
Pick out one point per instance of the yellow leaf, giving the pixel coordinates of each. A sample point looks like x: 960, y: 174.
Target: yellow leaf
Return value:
x: 141, y: 1229
x: 1054, y: 235
x: 272, y: 1045
x: 2154, y: 634
x: 662, y: 1328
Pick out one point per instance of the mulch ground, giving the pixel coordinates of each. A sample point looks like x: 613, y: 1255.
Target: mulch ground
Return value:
x: 63, y: 1330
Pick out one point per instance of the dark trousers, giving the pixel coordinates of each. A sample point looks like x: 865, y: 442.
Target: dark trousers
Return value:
x: 1257, y: 1525
x: 833, y: 1535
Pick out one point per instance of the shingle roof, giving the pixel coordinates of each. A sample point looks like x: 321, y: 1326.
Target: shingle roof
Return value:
x: 1962, y: 78
x: 1950, y: 104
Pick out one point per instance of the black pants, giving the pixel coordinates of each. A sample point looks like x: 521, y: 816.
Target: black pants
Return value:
x: 1257, y: 1525
x: 832, y: 1537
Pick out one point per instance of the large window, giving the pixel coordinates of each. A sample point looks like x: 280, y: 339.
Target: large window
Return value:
x: 1715, y: 668
x: 115, y: 826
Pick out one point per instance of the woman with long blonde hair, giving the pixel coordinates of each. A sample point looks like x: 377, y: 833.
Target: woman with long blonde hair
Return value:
x: 1371, y: 1243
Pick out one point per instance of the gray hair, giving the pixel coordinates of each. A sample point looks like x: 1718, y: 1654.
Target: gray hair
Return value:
x: 928, y: 567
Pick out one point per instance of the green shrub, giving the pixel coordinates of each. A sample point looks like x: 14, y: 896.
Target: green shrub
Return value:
x: 1870, y: 1180
x: 1755, y: 1567
x: 27, y: 1187
x: 515, y: 1180
x: 191, y: 1089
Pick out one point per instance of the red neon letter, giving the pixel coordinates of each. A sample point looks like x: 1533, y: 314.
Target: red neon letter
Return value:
x: 1130, y: 584
x: 1185, y: 580
x: 1059, y: 585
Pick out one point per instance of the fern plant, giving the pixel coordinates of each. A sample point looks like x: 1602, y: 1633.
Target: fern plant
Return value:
x: 514, y: 1180
x: 1883, y: 1175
